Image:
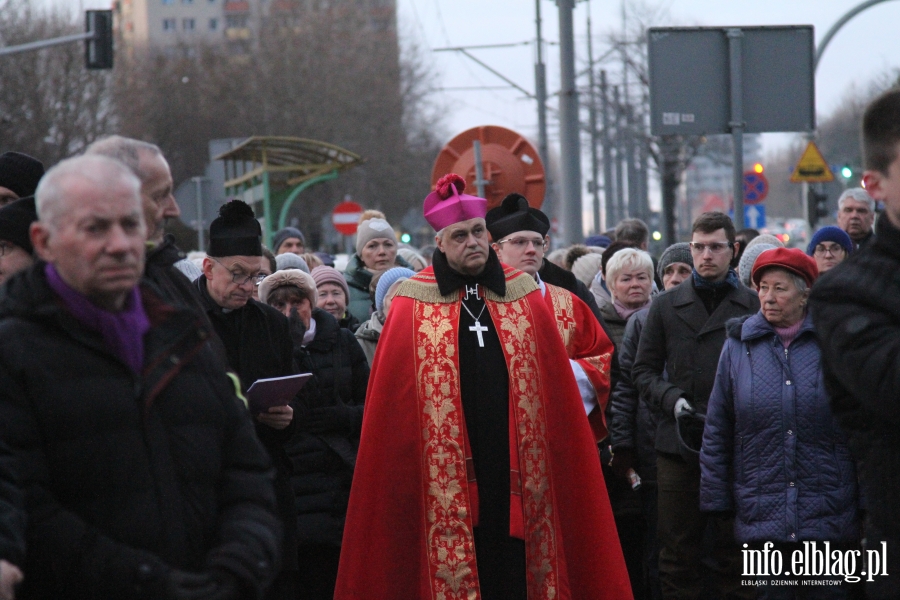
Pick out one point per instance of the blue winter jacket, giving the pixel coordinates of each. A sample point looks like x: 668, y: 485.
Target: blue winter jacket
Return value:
x: 772, y: 450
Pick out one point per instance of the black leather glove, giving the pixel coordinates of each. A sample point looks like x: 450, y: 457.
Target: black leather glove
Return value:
x: 328, y: 419
x: 209, y: 585
x: 298, y: 329
x: 623, y: 460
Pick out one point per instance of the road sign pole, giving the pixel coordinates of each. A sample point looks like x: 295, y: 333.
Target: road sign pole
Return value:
x: 737, y: 124
x: 479, y: 169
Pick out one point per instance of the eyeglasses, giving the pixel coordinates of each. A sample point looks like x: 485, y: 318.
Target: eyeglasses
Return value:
x: 834, y: 250
x: 522, y: 243
x: 240, y: 278
x: 714, y: 247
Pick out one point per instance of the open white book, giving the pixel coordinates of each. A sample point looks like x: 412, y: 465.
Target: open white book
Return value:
x: 274, y: 391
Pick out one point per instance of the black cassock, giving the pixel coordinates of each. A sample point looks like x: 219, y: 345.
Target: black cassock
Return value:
x: 484, y: 387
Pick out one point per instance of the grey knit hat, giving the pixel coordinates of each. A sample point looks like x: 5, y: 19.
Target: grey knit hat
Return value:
x: 373, y: 229
x: 765, y: 239
x: 587, y: 266
x: 284, y: 234
x: 676, y: 253
x: 289, y: 260
x: 748, y: 259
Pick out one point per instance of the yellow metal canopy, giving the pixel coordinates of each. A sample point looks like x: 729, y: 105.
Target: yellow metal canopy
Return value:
x: 300, y: 159
x: 285, y: 163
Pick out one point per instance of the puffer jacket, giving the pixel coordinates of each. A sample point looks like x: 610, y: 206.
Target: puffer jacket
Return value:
x: 127, y: 475
x: 323, y: 462
x: 358, y: 279
x: 772, y: 452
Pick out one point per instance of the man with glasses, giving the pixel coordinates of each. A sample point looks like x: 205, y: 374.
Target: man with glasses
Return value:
x: 674, y: 370
x: 856, y: 216
x: 520, y: 234
x: 829, y: 247
x: 257, y: 343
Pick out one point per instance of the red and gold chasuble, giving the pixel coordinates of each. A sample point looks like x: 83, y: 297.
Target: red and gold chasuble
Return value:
x: 409, y: 529
x: 587, y: 344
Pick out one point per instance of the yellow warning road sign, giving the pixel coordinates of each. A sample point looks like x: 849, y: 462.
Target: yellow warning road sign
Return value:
x: 811, y: 167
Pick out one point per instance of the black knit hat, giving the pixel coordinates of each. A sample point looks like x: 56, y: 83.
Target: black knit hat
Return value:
x: 235, y: 232
x: 15, y: 221
x: 514, y: 214
x: 20, y: 173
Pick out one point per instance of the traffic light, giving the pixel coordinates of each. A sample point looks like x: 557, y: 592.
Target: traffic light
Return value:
x: 98, y: 50
x: 758, y: 168
x: 846, y: 172
x: 817, y: 204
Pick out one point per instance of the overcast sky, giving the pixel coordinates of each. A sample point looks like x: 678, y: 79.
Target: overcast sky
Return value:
x: 865, y: 48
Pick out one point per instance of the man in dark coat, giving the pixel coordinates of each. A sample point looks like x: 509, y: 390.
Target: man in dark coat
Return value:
x: 143, y: 477
x: 683, y: 337
x: 257, y: 344
x: 12, y: 524
x: 149, y: 165
x: 857, y: 316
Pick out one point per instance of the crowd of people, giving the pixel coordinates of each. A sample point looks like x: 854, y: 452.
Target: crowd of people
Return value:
x: 485, y: 418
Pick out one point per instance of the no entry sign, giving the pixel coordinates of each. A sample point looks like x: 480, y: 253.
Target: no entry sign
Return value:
x: 345, y: 217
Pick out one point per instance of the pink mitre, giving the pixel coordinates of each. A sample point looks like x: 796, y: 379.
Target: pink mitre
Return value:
x: 447, y: 204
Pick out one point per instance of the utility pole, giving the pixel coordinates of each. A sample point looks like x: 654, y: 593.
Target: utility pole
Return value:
x: 540, y: 92
x: 620, y: 155
x: 608, y: 186
x: 595, y: 185
x: 570, y: 144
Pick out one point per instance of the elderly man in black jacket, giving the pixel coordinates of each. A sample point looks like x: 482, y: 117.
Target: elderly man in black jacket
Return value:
x: 683, y: 337
x: 857, y: 314
x: 257, y: 343
x: 143, y: 477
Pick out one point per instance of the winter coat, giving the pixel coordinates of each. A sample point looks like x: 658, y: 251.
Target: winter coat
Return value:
x: 12, y: 513
x: 358, y: 278
x: 632, y: 425
x: 323, y: 461
x: 257, y: 343
x: 368, y: 333
x: 772, y: 451
x: 125, y: 474
x: 857, y: 316
x: 349, y: 322
x: 679, y: 351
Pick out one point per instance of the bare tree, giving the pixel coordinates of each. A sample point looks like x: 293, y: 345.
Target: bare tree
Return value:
x: 50, y: 105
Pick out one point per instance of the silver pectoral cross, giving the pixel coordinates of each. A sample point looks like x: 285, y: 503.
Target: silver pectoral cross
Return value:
x: 478, y: 328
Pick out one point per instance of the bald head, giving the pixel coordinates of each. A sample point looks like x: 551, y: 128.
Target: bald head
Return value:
x: 92, y: 171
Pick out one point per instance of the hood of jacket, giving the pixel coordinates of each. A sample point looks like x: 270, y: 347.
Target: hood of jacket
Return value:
x: 371, y: 329
x: 752, y: 327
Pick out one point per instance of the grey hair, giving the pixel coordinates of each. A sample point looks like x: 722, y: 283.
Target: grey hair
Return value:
x: 799, y: 282
x: 125, y: 150
x: 858, y: 194
x: 101, y: 171
x: 626, y: 259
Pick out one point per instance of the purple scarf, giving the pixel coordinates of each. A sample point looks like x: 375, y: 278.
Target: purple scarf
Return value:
x: 626, y: 312
x: 122, y: 331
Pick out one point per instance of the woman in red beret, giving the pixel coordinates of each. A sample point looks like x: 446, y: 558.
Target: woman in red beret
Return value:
x: 773, y: 454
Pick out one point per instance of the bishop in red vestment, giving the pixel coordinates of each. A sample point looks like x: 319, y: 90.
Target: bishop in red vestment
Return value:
x: 477, y: 475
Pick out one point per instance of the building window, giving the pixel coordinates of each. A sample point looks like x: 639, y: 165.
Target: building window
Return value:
x: 187, y: 24
x: 213, y: 24
x: 168, y: 24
